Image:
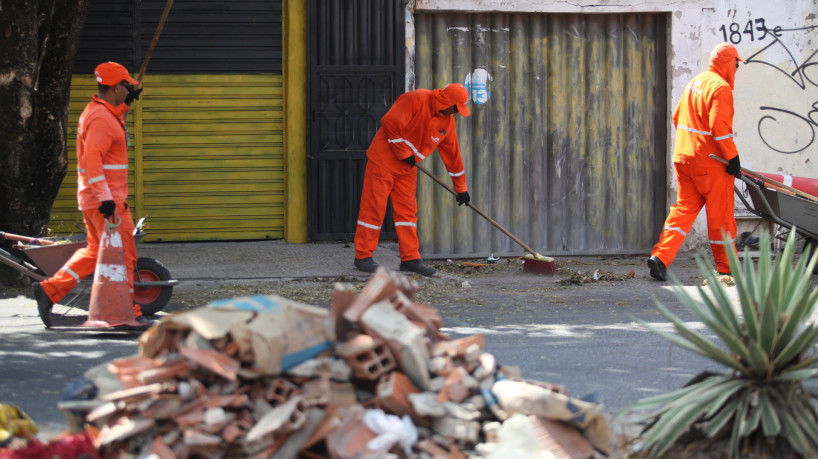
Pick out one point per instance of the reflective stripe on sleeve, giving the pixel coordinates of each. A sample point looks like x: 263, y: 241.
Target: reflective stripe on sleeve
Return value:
x: 722, y: 137
x: 721, y: 242
x: 409, y: 144
x: 406, y: 224
x: 695, y: 131
x: 96, y: 179
x: 367, y: 225
x: 458, y: 174
x: 115, y: 167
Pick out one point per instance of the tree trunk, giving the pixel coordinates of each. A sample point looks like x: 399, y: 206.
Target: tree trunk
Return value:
x: 38, y: 44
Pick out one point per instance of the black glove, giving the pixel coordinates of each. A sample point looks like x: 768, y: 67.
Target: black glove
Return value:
x: 734, y: 167
x: 410, y: 160
x: 133, y: 95
x: 463, y: 198
x: 107, y: 208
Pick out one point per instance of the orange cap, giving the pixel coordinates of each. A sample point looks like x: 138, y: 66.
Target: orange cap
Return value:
x: 460, y: 95
x: 724, y: 51
x: 111, y: 74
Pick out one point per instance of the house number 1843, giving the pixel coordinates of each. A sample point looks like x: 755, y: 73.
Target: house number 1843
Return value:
x: 734, y: 32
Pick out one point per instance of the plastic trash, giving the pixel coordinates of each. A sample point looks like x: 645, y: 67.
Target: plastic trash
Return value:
x: 391, y: 430
x: 516, y: 439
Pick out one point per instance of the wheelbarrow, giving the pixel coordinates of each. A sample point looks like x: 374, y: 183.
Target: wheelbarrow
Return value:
x: 41, y: 258
x: 786, y: 207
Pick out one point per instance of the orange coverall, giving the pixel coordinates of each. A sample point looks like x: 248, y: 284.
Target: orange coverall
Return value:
x: 704, y: 125
x: 412, y: 126
x: 102, y: 168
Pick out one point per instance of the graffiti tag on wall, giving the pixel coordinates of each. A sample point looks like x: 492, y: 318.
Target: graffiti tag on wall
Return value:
x: 780, y: 128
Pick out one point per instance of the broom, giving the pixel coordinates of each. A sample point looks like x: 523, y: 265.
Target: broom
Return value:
x: 532, y: 262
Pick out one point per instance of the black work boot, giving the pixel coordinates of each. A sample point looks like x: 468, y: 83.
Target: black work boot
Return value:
x: 144, y: 320
x: 366, y: 265
x: 416, y: 266
x: 658, y: 270
x: 44, y: 303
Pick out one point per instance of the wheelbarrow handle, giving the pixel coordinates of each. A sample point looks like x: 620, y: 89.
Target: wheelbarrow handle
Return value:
x: 769, y: 180
x: 30, y: 240
x: 479, y: 212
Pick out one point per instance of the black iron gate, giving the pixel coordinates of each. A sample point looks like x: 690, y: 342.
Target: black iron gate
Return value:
x: 356, y: 71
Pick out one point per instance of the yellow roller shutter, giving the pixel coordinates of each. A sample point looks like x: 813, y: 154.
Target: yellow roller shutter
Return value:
x: 207, y: 157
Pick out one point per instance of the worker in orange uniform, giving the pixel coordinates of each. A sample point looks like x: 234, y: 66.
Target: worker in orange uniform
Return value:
x: 704, y: 126
x: 102, y: 185
x: 419, y: 122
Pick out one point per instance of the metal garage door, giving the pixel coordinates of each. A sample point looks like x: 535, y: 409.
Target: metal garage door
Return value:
x: 207, y: 153
x: 568, y: 149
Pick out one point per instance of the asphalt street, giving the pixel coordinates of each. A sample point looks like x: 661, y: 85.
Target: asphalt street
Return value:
x: 583, y: 337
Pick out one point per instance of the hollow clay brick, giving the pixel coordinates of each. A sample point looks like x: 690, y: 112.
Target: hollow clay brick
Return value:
x: 280, y: 390
x: 408, y: 343
x: 368, y: 357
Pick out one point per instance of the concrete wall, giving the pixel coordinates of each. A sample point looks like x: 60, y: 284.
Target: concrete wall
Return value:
x: 776, y: 95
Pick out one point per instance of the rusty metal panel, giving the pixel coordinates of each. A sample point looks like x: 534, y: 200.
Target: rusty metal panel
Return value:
x: 567, y: 149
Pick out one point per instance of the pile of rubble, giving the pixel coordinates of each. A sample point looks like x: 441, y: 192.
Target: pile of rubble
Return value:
x: 265, y: 376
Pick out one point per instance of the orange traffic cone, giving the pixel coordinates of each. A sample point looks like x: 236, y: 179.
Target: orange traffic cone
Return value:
x: 111, y: 302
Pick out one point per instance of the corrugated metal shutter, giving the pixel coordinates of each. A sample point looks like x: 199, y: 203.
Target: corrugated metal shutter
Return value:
x: 212, y: 157
x: 203, y: 36
x: 213, y: 36
x: 569, y: 151
x: 207, y: 159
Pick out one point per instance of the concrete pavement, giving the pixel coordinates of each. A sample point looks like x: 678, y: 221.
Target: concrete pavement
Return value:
x: 239, y: 261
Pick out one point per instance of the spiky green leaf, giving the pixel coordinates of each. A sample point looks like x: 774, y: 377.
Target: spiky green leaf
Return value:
x: 770, y: 422
x: 697, y: 342
x: 738, y: 426
x: 751, y: 423
x: 794, y: 434
x: 715, y: 425
x: 797, y: 375
x: 804, y: 339
x: 806, y: 417
x: 682, y: 414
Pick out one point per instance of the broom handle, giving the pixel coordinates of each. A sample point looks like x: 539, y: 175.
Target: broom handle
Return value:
x: 769, y: 180
x: 30, y: 240
x: 151, y: 47
x: 479, y: 212
x: 155, y: 39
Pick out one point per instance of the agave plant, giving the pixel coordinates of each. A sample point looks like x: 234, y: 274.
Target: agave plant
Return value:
x: 767, y: 344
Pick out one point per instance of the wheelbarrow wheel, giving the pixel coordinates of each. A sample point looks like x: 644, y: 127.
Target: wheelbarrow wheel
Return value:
x: 151, y: 299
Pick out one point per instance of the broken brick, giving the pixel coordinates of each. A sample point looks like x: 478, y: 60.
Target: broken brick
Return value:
x: 393, y: 396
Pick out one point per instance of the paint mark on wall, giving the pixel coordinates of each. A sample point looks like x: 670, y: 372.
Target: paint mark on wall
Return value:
x: 781, y: 128
x: 477, y: 84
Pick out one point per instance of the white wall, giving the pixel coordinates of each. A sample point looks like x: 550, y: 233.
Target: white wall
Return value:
x: 776, y: 95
